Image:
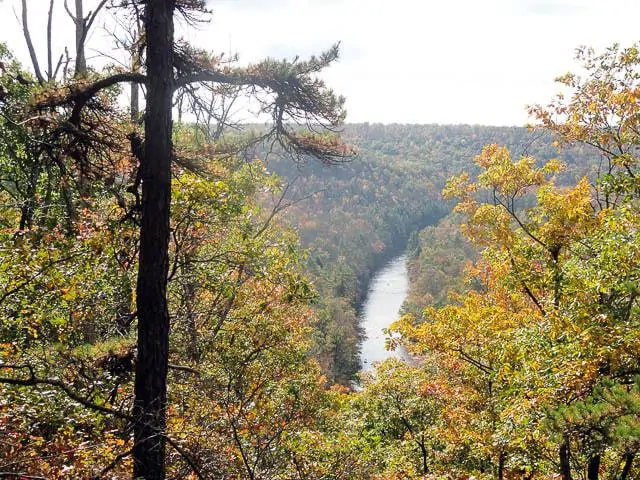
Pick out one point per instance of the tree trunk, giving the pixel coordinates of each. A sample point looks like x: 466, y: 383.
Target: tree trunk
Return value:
x: 81, y: 59
x: 593, y: 468
x: 28, y: 208
x: 153, y: 315
x: 135, y: 102
x: 565, y: 466
x: 189, y: 292
x: 626, y: 469
x: 135, y: 88
x: 84, y: 186
x: 423, y: 451
x: 501, y: 461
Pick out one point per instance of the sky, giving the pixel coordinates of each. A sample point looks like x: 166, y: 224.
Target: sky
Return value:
x: 403, y: 61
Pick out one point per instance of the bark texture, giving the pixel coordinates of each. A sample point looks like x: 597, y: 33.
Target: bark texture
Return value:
x: 565, y: 465
x: 153, y: 315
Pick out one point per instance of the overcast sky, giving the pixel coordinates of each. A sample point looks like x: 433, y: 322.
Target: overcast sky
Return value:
x: 407, y: 61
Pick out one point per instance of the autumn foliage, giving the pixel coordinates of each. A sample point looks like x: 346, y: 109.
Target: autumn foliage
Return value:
x: 527, y: 358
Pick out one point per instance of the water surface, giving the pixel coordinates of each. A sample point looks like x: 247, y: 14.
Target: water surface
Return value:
x: 387, y: 291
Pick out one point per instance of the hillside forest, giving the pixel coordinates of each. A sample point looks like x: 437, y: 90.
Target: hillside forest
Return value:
x: 181, y: 292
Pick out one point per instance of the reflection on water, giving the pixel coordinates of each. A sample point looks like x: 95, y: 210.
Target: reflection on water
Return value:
x: 387, y: 292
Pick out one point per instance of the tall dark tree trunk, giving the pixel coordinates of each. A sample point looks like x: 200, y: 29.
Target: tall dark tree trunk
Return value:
x: 153, y: 314
x: 626, y: 469
x: 593, y: 468
x: 501, y: 461
x: 565, y: 465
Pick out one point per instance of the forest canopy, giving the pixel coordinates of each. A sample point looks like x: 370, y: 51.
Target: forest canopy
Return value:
x: 180, y: 291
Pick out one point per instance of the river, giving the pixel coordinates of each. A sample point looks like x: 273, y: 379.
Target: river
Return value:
x: 387, y: 291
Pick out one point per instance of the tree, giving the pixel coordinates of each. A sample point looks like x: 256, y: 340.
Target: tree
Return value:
x: 153, y: 266
x: 153, y: 316
x: 559, y: 282
x: 552, y: 321
x: 290, y: 92
x: 602, y: 114
x: 400, y: 405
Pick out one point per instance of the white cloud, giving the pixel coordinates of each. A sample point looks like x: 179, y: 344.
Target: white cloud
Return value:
x: 459, y: 61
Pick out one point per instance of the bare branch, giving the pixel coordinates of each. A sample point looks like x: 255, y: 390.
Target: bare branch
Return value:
x: 78, y: 97
x: 49, y: 47
x: 187, y: 458
x: 476, y: 363
x: 32, y: 380
x: 58, y: 65
x: 71, y: 15
x: 114, y: 463
x: 27, y: 37
x: 92, y: 17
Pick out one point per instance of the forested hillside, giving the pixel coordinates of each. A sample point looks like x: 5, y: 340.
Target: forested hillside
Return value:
x: 538, y: 352
x: 354, y: 216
